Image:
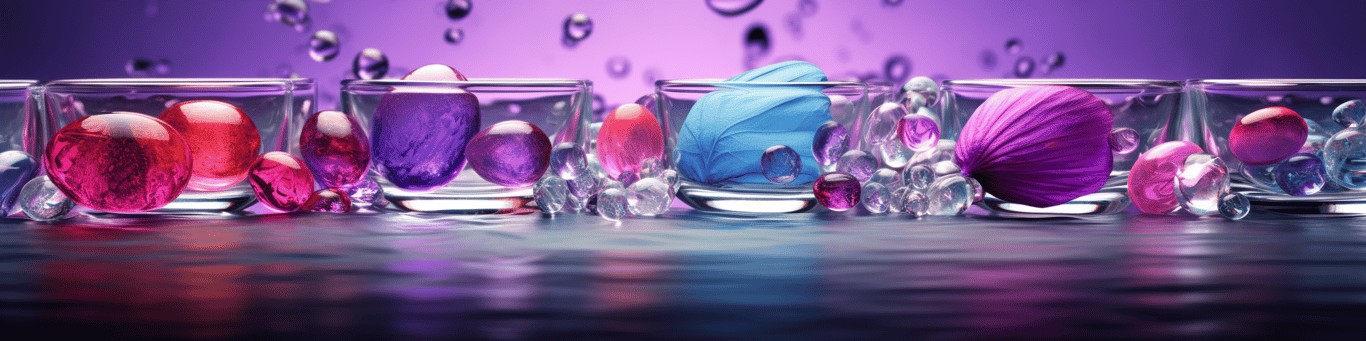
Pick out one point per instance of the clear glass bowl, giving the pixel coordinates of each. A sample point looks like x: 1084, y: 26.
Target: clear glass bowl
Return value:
x: 20, y: 111
x: 677, y: 98
x: 559, y: 107
x: 1217, y: 104
x: 270, y: 102
x: 1149, y: 107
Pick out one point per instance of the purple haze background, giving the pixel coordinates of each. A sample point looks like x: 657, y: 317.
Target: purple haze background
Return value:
x: 1165, y: 39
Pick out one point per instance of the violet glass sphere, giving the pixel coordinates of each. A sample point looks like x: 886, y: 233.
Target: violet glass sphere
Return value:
x: 918, y: 132
x: 1301, y: 175
x: 781, y: 164
x: 1267, y: 136
x: 420, y: 134
x: 837, y: 191
x: 510, y: 153
x: 119, y: 162
x: 281, y: 181
x: 830, y: 142
x: 335, y: 149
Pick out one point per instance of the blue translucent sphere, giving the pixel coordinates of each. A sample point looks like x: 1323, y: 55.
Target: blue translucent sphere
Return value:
x: 781, y: 164
x: 1301, y: 175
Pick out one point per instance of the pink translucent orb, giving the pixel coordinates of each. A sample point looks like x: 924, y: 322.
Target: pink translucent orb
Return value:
x: 435, y: 72
x: 329, y: 200
x: 629, y: 135
x: 119, y: 162
x: 1152, y: 179
x: 918, y: 132
x: 1267, y: 136
x: 223, y: 141
x: 837, y: 191
x: 510, y: 153
x: 335, y: 149
x: 281, y: 181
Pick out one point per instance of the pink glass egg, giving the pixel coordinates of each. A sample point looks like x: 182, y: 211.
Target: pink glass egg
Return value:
x: 223, y: 141
x: 1267, y: 136
x: 119, y: 162
x: 629, y: 135
x: 1151, y: 180
x: 837, y: 191
x: 330, y: 200
x: 281, y: 181
x: 335, y: 149
x: 510, y: 153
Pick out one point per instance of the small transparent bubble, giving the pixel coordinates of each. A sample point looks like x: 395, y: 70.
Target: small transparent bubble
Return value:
x: 612, y: 204
x: 1200, y: 183
x: 618, y: 67
x: 1014, y: 46
x: 568, y: 161
x: 926, y: 87
x: 793, y: 22
x: 551, y: 194
x: 649, y: 197
x: 950, y: 195
x: 918, y: 177
x: 883, y: 122
x: 917, y: 205
x: 671, y: 177
x: 1234, y: 206
x: 458, y: 9
x: 323, y: 46
x: 370, y: 63
x: 292, y: 13
x: 1123, y: 140
x: 898, y: 201
x: 454, y: 36
x: 577, y: 27
x: 987, y: 60
x: 978, y: 193
x: 1024, y: 67
x: 1350, y: 113
x: 730, y: 8
x: 887, y: 177
x: 584, y: 185
x: 807, y: 7
x: 41, y: 200
x: 875, y: 197
x: 1054, y: 61
x: 857, y: 163
x: 897, y: 69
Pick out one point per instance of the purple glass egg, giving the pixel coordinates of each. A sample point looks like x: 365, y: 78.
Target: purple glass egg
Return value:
x: 510, y: 153
x: 335, y: 148
x: 420, y: 134
x: 838, y: 191
x: 830, y: 142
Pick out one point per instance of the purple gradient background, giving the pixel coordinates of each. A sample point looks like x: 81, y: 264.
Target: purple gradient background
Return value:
x: 1168, y: 39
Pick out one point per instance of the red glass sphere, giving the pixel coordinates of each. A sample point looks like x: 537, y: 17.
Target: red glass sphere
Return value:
x: 223, y: 141
x: 119, y: 162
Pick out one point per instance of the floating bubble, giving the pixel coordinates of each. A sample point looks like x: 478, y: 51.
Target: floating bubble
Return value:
x: 730, y: 8
x: 781, y: 164
x: 458, y: 9
x: 1350, y: 113
x: 1326, y: 100
x: 897, y: 69
x: 141, y: 67
x: 292, y: 13
x: 1234, y: 206
x: 807, y: 7
x: 950, y: 195
x: 577, y: 27
x: 649, y: 197
x: 757, y: 42
x: 858, y: 164
x: 918, y: 177
x: 1014, y: 46
x: 875, y: 197
x: 1302, y: 174
x: 830, y: 142
x: 1123, y: 140
x: 619, y: 67
x: 41, y: 200
x: 793, y: 21
x: 1024, y: 67
x: 987, y: 60
x: 454, y: 36
x: 323, y: 46
x: 1200, y: 182
x: 612, y: 203
x: 887, y: 177
x: 891, y: 3
x: 1344, y: 157
x: 551, y: 193
x: 1054, y: 61
x: 370, y: 63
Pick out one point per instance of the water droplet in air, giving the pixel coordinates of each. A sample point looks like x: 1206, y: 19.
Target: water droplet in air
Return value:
x: 370, y: 63
x: 732, y: 8
x: 1024, y: 67
x: 577, y: 27
x: 618, y: 67
x: 1014, y: 46
x: 454, y: 35
x: 891, y: 3
x: 458, y: 9
x: 323, y: 46
x: 142, y: 67
x: 807, y: 7
x: 292, y: 13
x: 756, y: 40
x: 1054, y: 61
x: 987, y: 59
x: 793, y: 21
x: 897, y: 69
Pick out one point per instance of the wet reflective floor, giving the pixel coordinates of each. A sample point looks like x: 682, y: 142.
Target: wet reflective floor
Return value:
x: 689, y: 275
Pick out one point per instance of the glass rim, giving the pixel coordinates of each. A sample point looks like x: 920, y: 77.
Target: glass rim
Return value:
x: 190, y: 84
x: 723, y: 82
x: 526, y: 82
x: 1275, y: 83
x: 14, y: 84
x: 1083, y: 83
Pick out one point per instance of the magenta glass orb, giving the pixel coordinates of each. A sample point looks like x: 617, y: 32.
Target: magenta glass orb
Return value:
x: 335, y: 149
x: 329, y: 200
x: 119, y: 162
x: 281, y: 181
x: 837, y: 191
x: 918, y: 132
x: 1267, y: 136
x: 510, y: 153
x: 223, y: 141
x: 629, y: 135
x: 1152, y: 184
